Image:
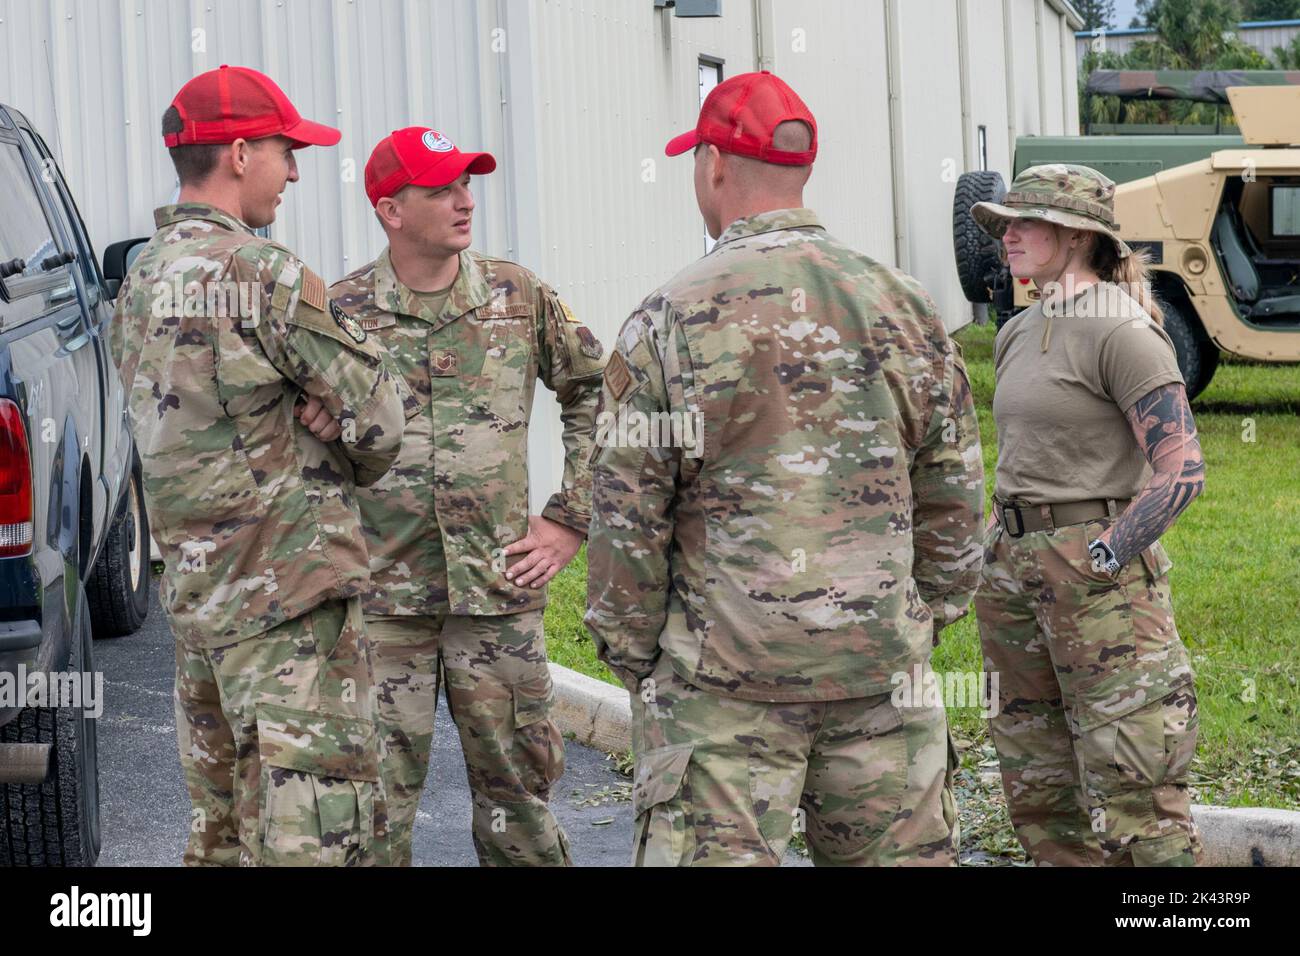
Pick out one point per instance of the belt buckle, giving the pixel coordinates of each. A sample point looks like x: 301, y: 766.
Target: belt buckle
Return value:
x: 1020, y: 520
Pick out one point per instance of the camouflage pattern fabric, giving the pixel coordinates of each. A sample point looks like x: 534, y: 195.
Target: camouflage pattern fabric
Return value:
x: 438, y: 522
x: 500, y: 695
x: 1097, y: 717
x: 279, y: 748
x: 725, y: 782
x: 826, y: 524
x: 1200, y: 86
x: 1076, y: 197
x: 217, y: 334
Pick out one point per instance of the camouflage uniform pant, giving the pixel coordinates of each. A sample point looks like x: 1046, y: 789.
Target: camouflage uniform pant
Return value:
x: 278, y: 745
x: 1097, y: 712
x: 499, y: 693
x: 724, y: 782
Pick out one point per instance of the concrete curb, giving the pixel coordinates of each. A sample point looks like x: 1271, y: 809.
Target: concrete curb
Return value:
x: 600, y: 715
x: 597, y: 714
x: 1248, y: 836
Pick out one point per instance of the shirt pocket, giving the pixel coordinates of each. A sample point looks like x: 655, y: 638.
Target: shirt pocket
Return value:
x: 508, y: 365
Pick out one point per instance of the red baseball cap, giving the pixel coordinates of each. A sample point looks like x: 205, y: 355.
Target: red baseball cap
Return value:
x: 234, y: 102
x: 420, y: 156
x: 740, y: 115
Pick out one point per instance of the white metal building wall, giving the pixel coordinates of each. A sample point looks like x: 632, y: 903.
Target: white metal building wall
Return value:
x: 576, y: 98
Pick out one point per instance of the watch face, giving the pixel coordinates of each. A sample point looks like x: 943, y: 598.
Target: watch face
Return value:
x: 1103, y: 559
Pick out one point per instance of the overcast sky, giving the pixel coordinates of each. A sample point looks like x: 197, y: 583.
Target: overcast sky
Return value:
x: 1124, y: 10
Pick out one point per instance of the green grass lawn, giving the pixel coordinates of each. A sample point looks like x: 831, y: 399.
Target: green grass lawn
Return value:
x: 1236, y: 592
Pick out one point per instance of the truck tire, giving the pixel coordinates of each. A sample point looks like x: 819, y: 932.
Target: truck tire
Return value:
x: 1198, y: 357
x: 975, y: 250
x: 119, y: 583
x: 56, y: 823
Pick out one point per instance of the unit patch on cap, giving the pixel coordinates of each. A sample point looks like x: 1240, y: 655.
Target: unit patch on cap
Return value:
x: 347, y: 323
x: 436, y: 142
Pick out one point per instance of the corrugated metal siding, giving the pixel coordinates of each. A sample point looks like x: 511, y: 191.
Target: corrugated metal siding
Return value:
x: 933, y: 147
x: 575, y: 97
x: 846, y: 85
x: 95, y: 77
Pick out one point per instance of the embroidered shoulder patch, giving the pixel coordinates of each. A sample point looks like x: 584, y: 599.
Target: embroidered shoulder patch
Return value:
x: 617, y: 376
x: 346, y: 322
x: 313, y: 290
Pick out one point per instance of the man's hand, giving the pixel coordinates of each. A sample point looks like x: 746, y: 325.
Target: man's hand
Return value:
x: 549, y: 546
x: 317, y: 420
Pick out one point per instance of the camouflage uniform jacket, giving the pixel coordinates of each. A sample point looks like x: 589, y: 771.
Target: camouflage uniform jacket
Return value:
x: 217, y: 334
x: 458, y: 494
x: 827, y: 522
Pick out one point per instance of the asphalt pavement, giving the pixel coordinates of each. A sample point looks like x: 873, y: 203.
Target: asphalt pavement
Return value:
x: 146, y: 811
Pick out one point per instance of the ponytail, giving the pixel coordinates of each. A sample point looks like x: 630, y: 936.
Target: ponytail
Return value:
x: 1131, y: 273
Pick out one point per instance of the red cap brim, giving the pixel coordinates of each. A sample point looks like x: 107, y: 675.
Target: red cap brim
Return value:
x: 680, y: 144
x: 307, y: 133
x: 443, y: 173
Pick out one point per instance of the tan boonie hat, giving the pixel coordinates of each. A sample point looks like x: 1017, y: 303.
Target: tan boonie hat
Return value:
x: 1072, y: 196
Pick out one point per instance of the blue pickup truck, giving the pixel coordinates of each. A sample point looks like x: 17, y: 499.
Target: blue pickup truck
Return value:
x: 74, y: 533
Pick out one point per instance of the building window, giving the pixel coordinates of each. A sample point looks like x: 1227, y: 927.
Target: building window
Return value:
x: 710, y: 75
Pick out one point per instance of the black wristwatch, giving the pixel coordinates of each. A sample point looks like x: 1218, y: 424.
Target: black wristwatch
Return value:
x: 1103, y: 558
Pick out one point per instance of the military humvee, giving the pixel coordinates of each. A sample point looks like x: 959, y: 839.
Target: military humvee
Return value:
x: 1222, y: 231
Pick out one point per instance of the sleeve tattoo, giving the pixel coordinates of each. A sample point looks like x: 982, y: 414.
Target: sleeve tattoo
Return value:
x: 1162, y: 424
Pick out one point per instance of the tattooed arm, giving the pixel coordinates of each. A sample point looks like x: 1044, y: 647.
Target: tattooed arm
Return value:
x: 1162, y: 423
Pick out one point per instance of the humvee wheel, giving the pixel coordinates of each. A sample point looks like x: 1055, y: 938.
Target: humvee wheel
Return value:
x: 975, y: 250
x: 1198, y: 357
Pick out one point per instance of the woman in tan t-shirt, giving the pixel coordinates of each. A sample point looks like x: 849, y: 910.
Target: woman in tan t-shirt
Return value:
x: 1097, y: 455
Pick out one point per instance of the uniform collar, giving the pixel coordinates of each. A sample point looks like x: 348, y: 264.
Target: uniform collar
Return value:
x: 180, y: 212
x: 470, y: 291
x: 770, y: 221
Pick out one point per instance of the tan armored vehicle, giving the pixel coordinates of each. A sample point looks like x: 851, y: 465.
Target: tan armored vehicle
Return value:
x: 1223, y: 234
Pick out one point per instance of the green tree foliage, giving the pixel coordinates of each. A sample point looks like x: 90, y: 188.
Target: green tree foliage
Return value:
x: 1270, y: 9
x: 1189, y: 35
x: 1288, y: 57
x: 1096, y: 14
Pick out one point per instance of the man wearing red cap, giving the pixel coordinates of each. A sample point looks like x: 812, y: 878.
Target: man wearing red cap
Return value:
x: 761, y: 585
x: 258, y: 409
x: 457, y: 564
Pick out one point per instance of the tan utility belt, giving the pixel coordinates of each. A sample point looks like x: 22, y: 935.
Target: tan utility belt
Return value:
x: 1018, y: 517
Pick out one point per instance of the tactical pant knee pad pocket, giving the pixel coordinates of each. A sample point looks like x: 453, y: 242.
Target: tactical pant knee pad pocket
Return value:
x: 663, y: 831
x: 1130, y: 735
x: 320, y: 784
x: 1173, y: 849
x: 537, y: 749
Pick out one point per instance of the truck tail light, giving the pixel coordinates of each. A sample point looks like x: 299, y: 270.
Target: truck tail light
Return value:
x: 15, y: 483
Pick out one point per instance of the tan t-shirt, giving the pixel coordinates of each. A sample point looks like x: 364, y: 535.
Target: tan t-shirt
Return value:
x: 1062, y: 433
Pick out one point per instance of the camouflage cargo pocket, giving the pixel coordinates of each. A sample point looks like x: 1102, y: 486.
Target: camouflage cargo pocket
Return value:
x: 319, y: 777
x: 1173, y: 849
x: 663, y: 834
x: 1157, y: 562
x: 1130, y: 736
x: 538, y: 747
x: 948, y: 798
